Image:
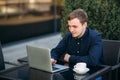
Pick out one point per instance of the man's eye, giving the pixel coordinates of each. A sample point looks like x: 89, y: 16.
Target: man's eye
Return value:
x: 75, y: 26
x: 72, y: 26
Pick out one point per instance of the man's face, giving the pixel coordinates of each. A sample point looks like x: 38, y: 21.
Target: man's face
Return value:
x: 76, y: 27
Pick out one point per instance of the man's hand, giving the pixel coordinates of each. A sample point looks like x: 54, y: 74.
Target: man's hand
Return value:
x: 53, y: 61
x: 66, y: 57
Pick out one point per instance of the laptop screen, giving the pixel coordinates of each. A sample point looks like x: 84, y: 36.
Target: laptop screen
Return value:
x: 40, y: 58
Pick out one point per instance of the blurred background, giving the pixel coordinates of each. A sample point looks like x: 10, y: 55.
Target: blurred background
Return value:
x: 20, y: 19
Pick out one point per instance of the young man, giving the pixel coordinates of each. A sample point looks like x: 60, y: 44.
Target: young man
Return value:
x: 80, y: 44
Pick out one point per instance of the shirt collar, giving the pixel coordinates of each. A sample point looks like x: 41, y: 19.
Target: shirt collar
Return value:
x: 84, y: 35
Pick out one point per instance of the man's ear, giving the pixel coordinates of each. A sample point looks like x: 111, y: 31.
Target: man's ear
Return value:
x: 85, y: 24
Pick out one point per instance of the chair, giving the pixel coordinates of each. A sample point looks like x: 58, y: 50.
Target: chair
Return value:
x: 111, y: 57
x: 2, y: 66
x: 2, y: 62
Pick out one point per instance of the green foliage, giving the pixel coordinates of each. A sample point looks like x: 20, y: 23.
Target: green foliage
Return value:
x: 103, y: 15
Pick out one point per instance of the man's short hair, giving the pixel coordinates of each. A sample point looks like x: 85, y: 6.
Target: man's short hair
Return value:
x: 80, y: 14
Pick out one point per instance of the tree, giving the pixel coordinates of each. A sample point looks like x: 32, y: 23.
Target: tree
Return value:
x: 103, y: 15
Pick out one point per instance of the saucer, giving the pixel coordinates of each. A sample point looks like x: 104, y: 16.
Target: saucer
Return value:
x: 81, y: 71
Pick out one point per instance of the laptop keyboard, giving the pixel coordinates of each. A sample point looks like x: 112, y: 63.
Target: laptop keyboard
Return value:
x: 54, y: 68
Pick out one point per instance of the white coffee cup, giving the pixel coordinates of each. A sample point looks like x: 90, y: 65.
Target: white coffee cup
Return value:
x: 80, y: 66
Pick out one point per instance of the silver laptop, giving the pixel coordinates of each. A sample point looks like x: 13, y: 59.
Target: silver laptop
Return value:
x: 40, y: 58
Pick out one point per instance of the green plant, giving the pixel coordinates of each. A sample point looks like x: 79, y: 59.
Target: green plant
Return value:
x: 103, y: 15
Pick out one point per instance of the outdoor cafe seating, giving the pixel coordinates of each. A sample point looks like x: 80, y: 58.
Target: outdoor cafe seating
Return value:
x: 108, y: 71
